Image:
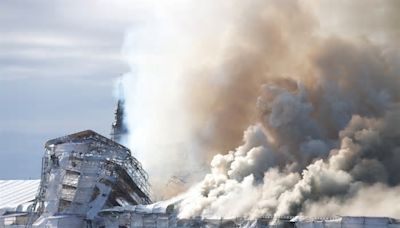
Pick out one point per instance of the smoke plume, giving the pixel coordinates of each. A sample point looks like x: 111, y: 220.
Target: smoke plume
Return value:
x: 313, y: 87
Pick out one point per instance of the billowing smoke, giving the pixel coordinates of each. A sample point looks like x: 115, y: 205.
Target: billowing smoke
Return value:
x: 313, y: 87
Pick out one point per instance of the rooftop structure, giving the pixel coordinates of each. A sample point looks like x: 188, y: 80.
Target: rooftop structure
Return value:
x: 83, y: 173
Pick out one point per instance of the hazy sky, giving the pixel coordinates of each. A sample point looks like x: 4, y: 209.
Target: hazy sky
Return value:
x: 58, y: 64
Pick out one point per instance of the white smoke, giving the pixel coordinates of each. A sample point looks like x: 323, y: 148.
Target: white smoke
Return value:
x: 318, y: 96
x: 161, y: 130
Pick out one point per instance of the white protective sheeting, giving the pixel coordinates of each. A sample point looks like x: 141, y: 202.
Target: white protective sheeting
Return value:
x: 156, y: 208
x: 17, y: 192
x: 347, y: 222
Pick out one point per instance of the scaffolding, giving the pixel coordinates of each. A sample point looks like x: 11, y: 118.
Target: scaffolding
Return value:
x: 83, y: 173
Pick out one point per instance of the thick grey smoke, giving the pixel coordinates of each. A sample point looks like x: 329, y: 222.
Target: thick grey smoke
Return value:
x: 314, y: 89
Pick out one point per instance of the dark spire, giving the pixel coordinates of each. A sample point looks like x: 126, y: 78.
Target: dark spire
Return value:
x: 119, y: 129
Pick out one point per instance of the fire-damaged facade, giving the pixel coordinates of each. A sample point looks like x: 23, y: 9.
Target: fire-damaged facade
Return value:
x: 82, y: 174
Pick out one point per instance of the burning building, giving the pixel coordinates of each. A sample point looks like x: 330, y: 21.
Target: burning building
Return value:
x: 88, y: 180
x: 85, y: 172
x: 82, y: 173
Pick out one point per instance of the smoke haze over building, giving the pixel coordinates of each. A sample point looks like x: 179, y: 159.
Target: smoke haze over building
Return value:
x: 313, y: 86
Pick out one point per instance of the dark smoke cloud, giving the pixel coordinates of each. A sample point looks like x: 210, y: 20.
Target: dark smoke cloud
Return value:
x: 261, y: 46
x: 314, y: 89
x: 325, y: 130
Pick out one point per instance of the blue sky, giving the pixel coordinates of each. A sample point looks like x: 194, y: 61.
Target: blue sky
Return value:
x: 58, y: 64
